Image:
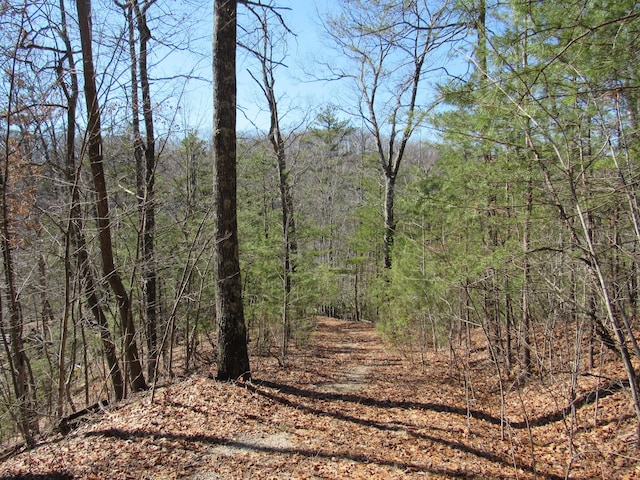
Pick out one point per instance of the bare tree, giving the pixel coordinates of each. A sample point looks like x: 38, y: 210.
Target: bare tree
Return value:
x: 74, y: 238
x: 12, y: 328
x: 145, y: 155
x: 388, y: 45
x: 95, y: 153
x: 262, y: 44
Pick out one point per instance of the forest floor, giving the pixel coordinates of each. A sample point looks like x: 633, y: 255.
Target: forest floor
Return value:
x: 348, y: 406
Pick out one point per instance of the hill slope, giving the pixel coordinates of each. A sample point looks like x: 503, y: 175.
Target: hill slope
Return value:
x: 348, y: 407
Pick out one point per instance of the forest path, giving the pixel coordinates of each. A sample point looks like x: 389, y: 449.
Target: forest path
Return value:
x: 347, y: 407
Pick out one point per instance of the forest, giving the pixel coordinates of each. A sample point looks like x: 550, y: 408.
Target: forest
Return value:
x: 474, y: 185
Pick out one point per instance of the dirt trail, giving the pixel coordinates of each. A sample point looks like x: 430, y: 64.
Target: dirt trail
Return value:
x: 346, y: 408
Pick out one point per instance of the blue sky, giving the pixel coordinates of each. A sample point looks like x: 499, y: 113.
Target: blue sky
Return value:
x: 296, y: 90
x: 299, y: 97
x: 297, y: 94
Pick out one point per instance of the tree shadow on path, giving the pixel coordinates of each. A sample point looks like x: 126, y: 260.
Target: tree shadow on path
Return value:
x: 312, y: 454
x: 257, y: 387
x: 581, y: 401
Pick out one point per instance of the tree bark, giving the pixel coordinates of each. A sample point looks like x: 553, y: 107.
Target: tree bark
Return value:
x: 75, y: 234
x: 110, y: 272
x: 389, y: 217
x: 289, y: 241
x: 149, y: 279
x: 233, y: 359
x: 145, y: 155
x: 17, y: 359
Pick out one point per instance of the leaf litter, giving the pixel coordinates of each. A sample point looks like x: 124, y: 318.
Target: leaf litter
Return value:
x: 347, y: 407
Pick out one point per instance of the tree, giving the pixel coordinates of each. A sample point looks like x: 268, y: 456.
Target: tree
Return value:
x: 95, y: 153
x: 387, y: 45
x: 233, y: 358
x: 264, y: 49
x: 554, y: 104
x: 15, y: 155
x: 75, y: 240
x: 567, y: 114
x: 145, y: 155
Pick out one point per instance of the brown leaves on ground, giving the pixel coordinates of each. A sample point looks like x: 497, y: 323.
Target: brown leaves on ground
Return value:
x: 347, y: 407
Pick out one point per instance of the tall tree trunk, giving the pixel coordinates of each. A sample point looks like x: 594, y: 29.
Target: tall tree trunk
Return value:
x: 145, y: 156
x: 75, y: 235
x: 526, y: 285
x: 233, y: 358
x: 102, y: 201
x: 389, y: 217
x: 526, y: 236
x: 289, y: 242
x: 14, y: 344
x: 264, y: 54
x: 149, y: 279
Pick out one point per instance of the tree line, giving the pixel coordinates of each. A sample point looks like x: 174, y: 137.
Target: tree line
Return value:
x: 481, y: 176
